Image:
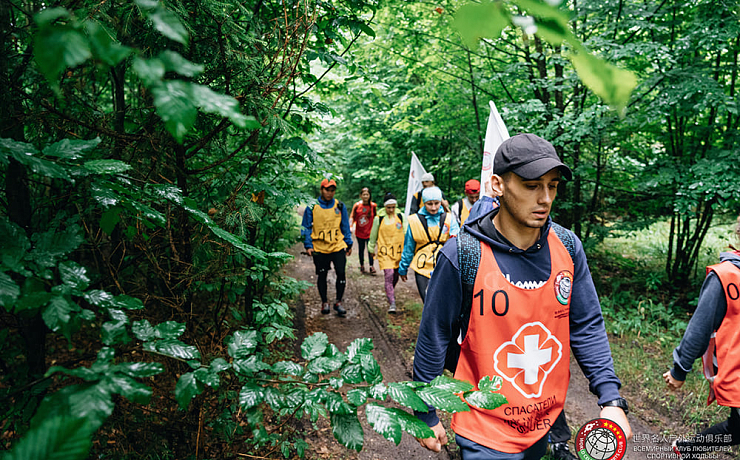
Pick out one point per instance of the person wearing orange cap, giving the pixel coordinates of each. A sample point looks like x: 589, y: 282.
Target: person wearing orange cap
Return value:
x: 328, y: 239
x: 461, y: 208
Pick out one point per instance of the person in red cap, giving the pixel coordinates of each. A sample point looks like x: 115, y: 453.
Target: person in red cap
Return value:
x: 461, y: 209
x: 327, y: 238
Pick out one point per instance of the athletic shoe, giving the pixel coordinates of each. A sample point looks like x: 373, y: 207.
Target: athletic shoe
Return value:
x: 392, y: 308
x: 340, y: 309
x: 362, y: 269
x: 560, y: 451
x: 325, y: 308
x: 372, y: 270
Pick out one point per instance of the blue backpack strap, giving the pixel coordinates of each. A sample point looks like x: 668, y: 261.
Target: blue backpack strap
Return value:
x: 567, y: 238
x: 468, y: 259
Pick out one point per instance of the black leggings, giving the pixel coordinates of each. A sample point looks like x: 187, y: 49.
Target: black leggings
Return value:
x: 422, y: 283
x: 361, y: 243
x: 323, y: 265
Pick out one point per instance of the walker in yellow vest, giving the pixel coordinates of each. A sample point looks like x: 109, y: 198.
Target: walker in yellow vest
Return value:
x: 390, y: 241
x: 429, y: 241
x: 326, y: 232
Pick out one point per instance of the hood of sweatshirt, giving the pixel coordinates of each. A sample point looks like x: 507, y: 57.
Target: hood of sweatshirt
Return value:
x: 733, y: 257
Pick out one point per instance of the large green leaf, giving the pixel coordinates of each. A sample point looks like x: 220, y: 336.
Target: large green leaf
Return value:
x: 442, y: 399
x: 70, y: 149
x: 103, y: 46
x: 242, y: 344
x: 449, y: 384
x: 249, y: 396
x: 210, y: 101
x: 9, y: 291
x: 140, y: 370
x: 348, y: 431
x: 370, y: 369
x: 612, y: 84
x: 56, y: 438
x: 143, y: 330
x: 57, y: 47
x: 288, y: 367
x: 352, y: 373
x: 74, y: 275
x: 130, y: 389
x: 314, y: 346
x: 404, y: 395
x: 173, y: 348
x: 358, y: 396
x: 174, y: 62
x: 485, y: 399
x: 324, y: 365
x: 474, y: 21
x: 14, y: 246
x: 58, y: 314
x: 187, y: 388
x: 172, y: 100
x: 168, y: 24
x: 150, y: 71
x: 169, y: 330
x: 384, y: 421
x: 54, y: 244
x: 250, y: 365
x: 359, y: 347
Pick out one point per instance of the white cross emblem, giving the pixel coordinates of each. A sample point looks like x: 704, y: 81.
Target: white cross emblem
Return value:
x: 525, y: 361
x: 531, y: 359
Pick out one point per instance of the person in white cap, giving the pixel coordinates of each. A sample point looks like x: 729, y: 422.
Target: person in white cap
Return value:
x: 389, y: 229
x: 427, y: 180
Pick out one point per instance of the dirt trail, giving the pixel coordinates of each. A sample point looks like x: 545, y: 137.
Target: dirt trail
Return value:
x: 393, y: 337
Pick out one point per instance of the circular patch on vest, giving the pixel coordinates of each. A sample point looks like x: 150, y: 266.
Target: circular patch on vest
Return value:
x: 337, y: 211
x: 399, y: 225
x: 563, y: 286
x: 601, y: 439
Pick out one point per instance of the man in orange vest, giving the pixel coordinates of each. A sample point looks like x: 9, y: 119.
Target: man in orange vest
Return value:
x: 527, y: 301
x: 328, y: 239
x: 712, y: 332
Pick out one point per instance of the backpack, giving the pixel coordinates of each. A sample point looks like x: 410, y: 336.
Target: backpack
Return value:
x: 468, y: 257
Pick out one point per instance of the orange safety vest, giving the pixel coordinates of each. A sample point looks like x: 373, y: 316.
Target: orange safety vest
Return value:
x: 390, y: 242
x: 727, y: 382
x: 429, y: 241
x: 522, y: 335
x: 326, y: 233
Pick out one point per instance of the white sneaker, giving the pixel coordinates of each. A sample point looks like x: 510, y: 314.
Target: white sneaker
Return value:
x: 392, y: 308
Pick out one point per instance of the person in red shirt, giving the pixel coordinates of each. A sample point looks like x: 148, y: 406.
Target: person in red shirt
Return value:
x: 362, y: 215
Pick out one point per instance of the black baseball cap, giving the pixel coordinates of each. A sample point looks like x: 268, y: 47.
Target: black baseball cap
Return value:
x: 529, y: 157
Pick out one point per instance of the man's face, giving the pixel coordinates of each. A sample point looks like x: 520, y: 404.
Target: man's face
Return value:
x: 427, y: 183
x: 327, y: 194
x: 472, y: 196
x: 528, y: 202
x: 432, y: 206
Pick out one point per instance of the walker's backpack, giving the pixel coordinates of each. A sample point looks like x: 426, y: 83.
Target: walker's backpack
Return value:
x: 398, y: 213
x: 468, y: 258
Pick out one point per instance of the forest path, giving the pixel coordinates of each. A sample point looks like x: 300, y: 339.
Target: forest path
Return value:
x: 393, y: 337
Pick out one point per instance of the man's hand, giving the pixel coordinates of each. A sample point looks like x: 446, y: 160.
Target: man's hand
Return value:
x: 440, y: 439
x: 309, y: 252
x: 404, y: 278
x: 672, y: 383
x: 617, y: 415
x: 349, y: 251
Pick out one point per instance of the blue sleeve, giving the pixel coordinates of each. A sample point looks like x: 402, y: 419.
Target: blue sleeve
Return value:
x: 441, y: 311
x: 344, y: 226
x: 454, y: 227
x: 588, y: 339
x: 481, y: 207
x: 409, y: 249
x: 707, y: 318
x: 307, y: 227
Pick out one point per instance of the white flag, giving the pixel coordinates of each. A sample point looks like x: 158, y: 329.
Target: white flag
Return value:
x: 415, y: 173
x: 496, y: 134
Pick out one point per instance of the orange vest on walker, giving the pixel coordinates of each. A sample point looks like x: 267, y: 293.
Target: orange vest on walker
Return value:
x: 522, y: 335
x: 727, y: 381
x: 390, y: 242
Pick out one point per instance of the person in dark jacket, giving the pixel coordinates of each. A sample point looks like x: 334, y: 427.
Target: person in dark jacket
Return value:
x: 532, y: 304
x: 712, y: 332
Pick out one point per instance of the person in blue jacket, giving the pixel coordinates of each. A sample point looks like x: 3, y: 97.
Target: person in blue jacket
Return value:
x: 328, y: 239
x: 526, y: 173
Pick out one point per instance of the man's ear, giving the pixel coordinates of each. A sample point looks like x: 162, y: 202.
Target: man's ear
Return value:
x: 497, y: 185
